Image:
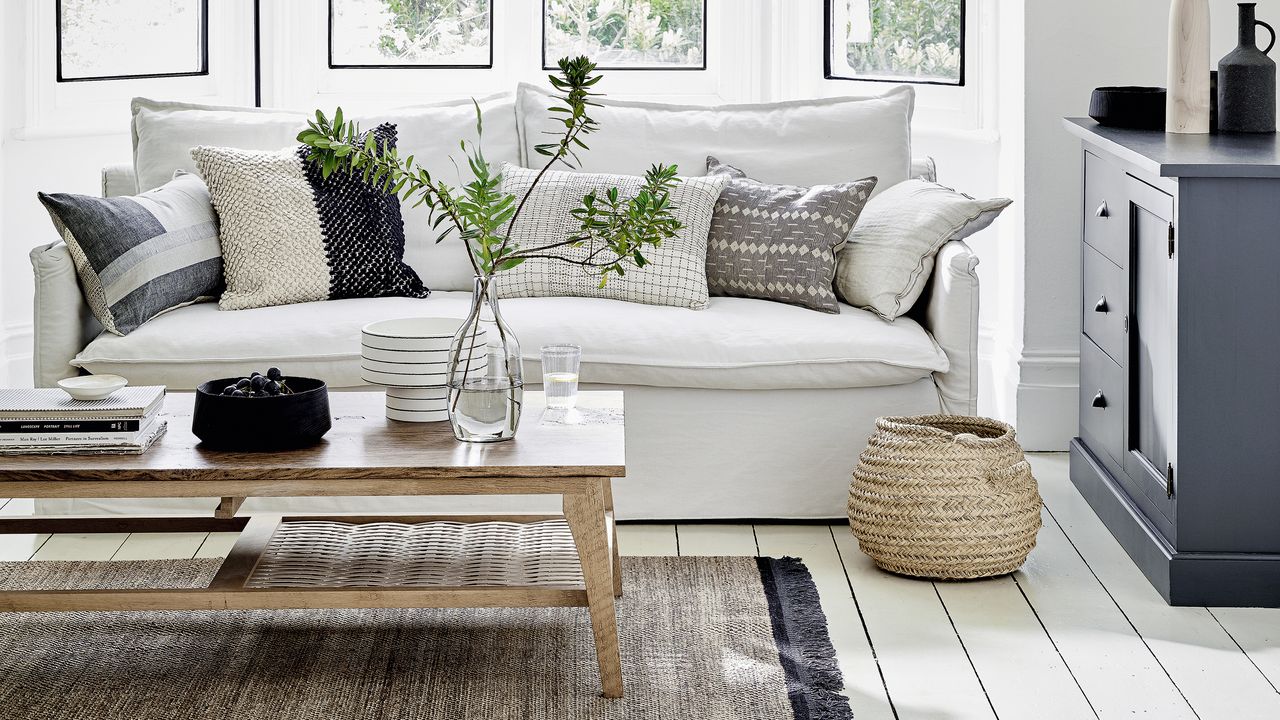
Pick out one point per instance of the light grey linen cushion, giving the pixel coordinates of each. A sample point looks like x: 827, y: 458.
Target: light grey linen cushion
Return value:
x: 890, y: 255
x: 779, y: 242
x: 143, y: 255
x: 676, y: 271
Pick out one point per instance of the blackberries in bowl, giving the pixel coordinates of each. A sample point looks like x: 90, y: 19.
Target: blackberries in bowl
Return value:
x: 259, y: 385
x: 261, y: 412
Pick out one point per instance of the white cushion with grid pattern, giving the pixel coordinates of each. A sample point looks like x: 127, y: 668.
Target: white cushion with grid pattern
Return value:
x: 676, y: 272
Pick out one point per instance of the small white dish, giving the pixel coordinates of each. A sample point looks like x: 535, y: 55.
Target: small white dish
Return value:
x: 92, y: 387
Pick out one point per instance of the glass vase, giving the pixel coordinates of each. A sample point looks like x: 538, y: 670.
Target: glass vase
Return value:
x: 486, y: 380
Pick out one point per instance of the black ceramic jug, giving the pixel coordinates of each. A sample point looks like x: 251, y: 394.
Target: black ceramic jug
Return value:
x: 1247, y: 81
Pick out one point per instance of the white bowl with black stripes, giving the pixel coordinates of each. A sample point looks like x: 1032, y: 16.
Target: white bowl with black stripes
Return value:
x: 410, y: 357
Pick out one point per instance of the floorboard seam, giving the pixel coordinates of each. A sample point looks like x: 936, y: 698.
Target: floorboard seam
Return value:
x: 863, y: 621
x: 1123, y: 614
x: 1246, y: 652
x: 1054, y: 643
x: 121, y: 547
x: 36, y: 549
x: 968, y: 657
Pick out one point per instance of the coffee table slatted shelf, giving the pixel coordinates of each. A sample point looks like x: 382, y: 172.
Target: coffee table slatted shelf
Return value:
x: 365, y: 561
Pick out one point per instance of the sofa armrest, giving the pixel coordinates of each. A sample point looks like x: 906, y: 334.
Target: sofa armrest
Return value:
x: 951, y: 316
x: 119, y: 180
x: 63, y: 322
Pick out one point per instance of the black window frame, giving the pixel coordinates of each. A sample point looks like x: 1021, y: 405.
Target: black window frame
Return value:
x: 542, y: 44
x: 826, y: 54
x: 204, y: 52
x: 416, y: 66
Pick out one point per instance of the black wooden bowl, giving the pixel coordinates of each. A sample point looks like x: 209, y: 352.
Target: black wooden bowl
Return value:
x: 277, y: 422
x: 1139, y: 108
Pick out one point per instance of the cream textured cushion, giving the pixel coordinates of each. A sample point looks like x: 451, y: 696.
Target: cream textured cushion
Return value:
x: 736, y: 343
x: 802, y: 142
x: 890, y: 255
x: 676, y: 272
x: 290, y: 235
x: 165, y: 132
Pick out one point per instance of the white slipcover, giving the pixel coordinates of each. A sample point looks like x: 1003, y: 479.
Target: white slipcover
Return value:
x: 736, y: 343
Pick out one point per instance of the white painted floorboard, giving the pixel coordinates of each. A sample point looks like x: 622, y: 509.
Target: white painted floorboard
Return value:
x: 160, y: 546
x: 1077, y: 633
x: 716, y: 539
x: 647, y: 540
x: 1205, y: 663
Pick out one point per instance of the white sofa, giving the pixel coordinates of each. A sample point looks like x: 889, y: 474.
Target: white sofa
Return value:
x: 749, y: 409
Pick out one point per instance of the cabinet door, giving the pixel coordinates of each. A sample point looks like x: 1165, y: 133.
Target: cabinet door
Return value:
x: 1151, y: 412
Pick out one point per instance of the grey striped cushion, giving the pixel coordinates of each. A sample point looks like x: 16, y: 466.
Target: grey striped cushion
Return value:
x: 140, y: 256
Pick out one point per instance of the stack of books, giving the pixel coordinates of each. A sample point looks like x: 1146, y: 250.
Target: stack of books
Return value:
x: 47, y: 421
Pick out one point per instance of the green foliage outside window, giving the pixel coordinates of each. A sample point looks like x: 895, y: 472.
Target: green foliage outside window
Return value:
x: 910, y: 39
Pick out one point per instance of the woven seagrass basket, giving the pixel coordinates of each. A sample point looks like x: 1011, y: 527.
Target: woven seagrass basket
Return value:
x: 943, y: 496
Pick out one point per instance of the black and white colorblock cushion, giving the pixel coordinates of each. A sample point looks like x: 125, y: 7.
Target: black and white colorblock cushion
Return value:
x: 676, y: 271
x: 779, y: 242
x: 289, y: 235
x: 139, y: 256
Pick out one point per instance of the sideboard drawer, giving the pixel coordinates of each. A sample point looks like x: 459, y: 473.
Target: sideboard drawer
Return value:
x: 1101, y: 400
x: 1106, y: 209
x: 1106, y: 303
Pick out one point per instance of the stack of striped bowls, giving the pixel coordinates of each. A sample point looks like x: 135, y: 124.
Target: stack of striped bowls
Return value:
x: 410, y: 358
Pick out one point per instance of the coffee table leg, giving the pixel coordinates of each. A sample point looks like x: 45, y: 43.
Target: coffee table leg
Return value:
x: 613, y: 529
x: 585, y: 513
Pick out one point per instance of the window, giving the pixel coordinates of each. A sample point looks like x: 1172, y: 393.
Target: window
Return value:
x: 917, y: 41
x: 119, y: 39
x: 410, y: 33
x: 626, y: 34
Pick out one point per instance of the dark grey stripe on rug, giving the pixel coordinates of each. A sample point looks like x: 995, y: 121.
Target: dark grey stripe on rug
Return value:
x: 701, y: 638
x: 804, y: 646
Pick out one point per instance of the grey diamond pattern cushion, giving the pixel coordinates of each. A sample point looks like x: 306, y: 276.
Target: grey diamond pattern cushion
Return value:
x: 779, y: 242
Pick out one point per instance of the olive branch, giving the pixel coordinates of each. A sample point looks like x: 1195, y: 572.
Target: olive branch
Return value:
x: 615, y: 229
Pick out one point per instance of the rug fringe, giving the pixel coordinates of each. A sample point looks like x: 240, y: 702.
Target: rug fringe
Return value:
x: 814, y: 680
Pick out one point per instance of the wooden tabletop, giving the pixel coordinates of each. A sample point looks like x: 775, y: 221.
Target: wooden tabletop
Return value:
x: 362, y: 446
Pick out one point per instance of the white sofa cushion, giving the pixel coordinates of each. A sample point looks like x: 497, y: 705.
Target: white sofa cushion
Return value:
x: 889, y: 257
x: 803, y: 142
x: 165, y: 132
x: 736, y: 343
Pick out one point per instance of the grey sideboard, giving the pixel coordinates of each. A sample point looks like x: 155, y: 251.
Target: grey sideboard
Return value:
x: 1179, y: 444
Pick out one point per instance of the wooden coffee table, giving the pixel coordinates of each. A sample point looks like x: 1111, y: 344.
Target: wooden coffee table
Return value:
x: 350, y: 561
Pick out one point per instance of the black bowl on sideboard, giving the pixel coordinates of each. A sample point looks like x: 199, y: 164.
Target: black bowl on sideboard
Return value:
x: 277, y: 422
x: 1140, y: 108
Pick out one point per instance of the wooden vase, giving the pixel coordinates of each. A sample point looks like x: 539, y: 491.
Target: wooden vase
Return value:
x: 1187, y: 104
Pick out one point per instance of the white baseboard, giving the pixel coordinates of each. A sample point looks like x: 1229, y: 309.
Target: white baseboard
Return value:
x: 1048, y: 399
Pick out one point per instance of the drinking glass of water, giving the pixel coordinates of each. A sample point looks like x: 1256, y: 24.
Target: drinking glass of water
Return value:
x: 560, y: 375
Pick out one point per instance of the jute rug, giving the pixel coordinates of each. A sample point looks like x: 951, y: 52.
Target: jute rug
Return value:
x: 701, y: 638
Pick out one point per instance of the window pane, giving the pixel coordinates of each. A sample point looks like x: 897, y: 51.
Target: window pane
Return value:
x: 123, y: 38
x: 409, y: 33
x: 621, y: 34
x: 899, y: 40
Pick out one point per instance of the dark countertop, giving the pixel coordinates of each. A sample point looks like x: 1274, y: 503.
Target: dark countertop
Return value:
x: 1174, y: 155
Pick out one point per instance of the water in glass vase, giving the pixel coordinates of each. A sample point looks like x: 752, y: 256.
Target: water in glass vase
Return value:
x: 486, y: 409
x: 561, y: 389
